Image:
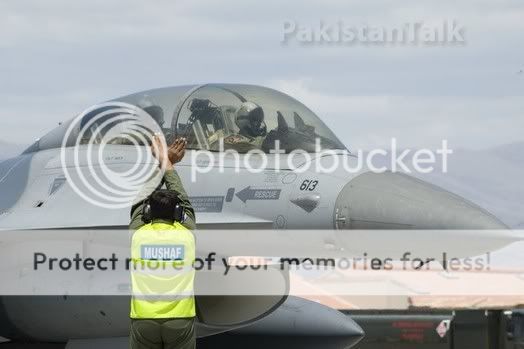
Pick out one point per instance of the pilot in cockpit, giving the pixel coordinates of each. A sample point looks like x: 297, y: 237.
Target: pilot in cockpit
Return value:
x: 252, y: 128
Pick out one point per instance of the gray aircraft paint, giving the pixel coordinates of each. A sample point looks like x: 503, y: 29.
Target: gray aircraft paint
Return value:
x: 347, y: 201
x: 57, y: 184
x: 207, y: 203
x: 308, y: 202
x: 13, y: 180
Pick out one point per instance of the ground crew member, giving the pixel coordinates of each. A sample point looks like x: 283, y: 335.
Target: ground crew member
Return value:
x: 162, y: 254
x: 170, y: 179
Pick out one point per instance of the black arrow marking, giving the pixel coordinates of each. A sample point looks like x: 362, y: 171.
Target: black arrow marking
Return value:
x: 258, y: 194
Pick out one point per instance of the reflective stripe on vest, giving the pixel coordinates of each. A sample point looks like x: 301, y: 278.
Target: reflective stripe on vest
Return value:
x: 171, y: 271
x: 160, y: 297
x: 162, y: 273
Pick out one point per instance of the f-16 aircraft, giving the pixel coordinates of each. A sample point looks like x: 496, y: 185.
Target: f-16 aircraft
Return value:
x: 37, y: 194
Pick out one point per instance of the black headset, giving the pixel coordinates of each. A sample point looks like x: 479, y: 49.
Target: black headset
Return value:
x: 180, y: 213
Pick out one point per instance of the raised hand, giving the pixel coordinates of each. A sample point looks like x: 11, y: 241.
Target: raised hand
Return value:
x: 160, y: 152
x: 177, y: 150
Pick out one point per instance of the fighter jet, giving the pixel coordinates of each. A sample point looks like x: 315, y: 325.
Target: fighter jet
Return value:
x: 36, y: 193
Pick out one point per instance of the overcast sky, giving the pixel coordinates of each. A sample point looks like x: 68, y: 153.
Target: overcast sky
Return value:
x: 58, y: 57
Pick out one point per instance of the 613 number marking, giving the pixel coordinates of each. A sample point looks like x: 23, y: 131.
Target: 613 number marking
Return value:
x: 308, y: 185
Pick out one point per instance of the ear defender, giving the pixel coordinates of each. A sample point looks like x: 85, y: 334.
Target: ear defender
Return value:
x: 180, y: 213
x: 146, y: 212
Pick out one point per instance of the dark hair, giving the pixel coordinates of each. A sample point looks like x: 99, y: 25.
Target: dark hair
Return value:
x: 163, y: 203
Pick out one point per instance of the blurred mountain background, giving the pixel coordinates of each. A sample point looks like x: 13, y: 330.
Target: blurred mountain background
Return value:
x: 492, y: 178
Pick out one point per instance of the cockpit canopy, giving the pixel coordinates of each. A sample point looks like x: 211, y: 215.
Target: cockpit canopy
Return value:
x: 219, y: 117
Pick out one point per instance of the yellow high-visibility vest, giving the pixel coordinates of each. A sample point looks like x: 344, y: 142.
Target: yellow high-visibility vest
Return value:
x: 162, y: 272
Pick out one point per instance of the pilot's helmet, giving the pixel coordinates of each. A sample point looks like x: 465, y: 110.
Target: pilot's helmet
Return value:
x: 155, y: 111
x: 250, y: 120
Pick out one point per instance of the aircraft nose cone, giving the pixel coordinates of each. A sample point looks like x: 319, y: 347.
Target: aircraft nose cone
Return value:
x: 301, y: 323
x: 397, y: 201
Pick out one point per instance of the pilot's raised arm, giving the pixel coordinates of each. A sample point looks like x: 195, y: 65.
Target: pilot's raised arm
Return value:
x: 172, y: 181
